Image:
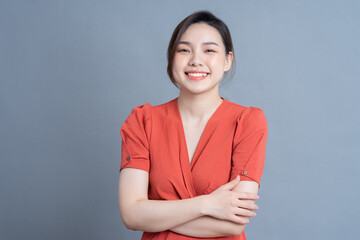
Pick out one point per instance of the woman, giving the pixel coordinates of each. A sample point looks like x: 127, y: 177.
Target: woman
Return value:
x: 191, y: 167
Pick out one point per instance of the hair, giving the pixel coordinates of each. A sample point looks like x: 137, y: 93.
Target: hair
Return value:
x: 200, y: 17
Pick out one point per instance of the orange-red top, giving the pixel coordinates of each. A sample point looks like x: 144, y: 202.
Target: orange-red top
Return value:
x: 233, y: 142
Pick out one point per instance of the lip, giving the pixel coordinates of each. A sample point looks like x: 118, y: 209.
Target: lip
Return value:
x: 196, y: 78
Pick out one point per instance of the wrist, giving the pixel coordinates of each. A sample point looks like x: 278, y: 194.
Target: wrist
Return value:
x: 204, y: 205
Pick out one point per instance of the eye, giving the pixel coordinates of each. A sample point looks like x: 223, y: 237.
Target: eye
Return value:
x: 209, y: 50
x: 183, y: 50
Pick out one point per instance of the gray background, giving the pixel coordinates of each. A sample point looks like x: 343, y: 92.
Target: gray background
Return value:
x: 71, y: 71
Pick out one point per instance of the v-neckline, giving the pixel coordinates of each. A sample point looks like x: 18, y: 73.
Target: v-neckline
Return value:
x: 193, y: 160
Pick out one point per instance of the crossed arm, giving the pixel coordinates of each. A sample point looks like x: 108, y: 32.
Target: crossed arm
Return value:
x: 224, y: 212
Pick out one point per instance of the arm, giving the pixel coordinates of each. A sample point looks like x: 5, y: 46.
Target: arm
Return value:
x: 140, y: 213
x: 248, y: 156
x: 211, y: 227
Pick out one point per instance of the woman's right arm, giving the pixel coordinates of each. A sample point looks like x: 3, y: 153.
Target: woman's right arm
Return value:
x: 209, y: 227
x: 140, y: 213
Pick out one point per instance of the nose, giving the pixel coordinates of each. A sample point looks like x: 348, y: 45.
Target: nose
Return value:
x: 195, y: 60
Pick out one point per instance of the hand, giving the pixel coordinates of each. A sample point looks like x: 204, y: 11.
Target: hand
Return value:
x: 225, y: 204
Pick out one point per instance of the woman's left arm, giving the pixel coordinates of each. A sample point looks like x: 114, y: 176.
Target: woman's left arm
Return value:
x: 207, y: 227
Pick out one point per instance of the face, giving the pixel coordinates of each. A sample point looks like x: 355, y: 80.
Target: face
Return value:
x: 200, y: 60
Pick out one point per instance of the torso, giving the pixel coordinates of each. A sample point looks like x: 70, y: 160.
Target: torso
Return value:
x: 210, y: 146
x: 193, y: 134
x: 193, y: 131
x: 190, y: 157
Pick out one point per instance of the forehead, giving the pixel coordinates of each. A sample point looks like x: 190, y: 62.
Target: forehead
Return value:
x: 201, y: 32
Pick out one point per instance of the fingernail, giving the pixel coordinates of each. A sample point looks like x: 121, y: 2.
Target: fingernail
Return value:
x: 237, y: 177
x: 258, y: 197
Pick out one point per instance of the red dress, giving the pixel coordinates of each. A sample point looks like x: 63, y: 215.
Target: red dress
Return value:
x: 233, y: 142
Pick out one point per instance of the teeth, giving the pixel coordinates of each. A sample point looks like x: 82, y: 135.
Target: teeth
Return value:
x: 197, y: 74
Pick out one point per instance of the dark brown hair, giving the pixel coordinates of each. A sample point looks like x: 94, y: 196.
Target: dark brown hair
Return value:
x: 199, y: 17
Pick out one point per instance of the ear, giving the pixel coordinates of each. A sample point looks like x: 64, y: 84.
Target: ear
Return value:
x: 228, y: 61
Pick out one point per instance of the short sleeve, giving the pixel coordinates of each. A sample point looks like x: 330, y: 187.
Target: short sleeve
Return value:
x: 249, y: 147
x: 135, y: 134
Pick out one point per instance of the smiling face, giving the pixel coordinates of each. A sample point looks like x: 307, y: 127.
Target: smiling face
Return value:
x: 200, y: 60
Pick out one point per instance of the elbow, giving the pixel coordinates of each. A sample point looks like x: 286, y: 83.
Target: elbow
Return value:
x: 237, y: 229
x: 132, y: 217
x: 130, y: 226
x: 130, y: 222
x: 136, y: 224
x: 129, y: 218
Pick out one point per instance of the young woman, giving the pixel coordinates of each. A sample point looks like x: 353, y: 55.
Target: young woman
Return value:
x: 191, y: 167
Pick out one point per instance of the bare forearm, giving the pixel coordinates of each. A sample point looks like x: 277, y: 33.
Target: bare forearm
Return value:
x: 157, y: 215
x: 140, y: 213
x: 211, y: 227
x: 207, y: 227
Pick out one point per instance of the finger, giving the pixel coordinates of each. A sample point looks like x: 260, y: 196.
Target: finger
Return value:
x: 246, y: 196
x: 245, y: 213
x: 230, y: 185
x: 239, y: 219
x: 247, y: 204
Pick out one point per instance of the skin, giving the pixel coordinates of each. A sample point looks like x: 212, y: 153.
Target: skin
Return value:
x: 227, y: 210
x: 200, y: 49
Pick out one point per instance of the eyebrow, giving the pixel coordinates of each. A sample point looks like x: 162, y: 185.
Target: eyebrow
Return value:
x: 204, y: 43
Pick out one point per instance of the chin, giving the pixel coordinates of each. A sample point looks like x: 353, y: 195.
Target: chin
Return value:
x: 199, y: 90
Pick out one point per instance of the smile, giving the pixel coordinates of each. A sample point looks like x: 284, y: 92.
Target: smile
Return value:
x: 196, y: 75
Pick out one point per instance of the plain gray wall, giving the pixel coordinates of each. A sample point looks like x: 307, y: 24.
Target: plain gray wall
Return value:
x: 71, y: 71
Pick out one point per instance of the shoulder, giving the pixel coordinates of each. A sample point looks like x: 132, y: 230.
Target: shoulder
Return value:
x: 164, y: 111
x: 140, y: 114
x: 146, y: 112
x: 254, y: 115
x: 247, y: 115
x: 137, y: 126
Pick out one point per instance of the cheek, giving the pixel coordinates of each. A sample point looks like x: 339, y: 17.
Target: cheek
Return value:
x: 217, y: 64
x: 179, y: 63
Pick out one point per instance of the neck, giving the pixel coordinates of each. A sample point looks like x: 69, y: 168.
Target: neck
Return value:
x: 198, y: 106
